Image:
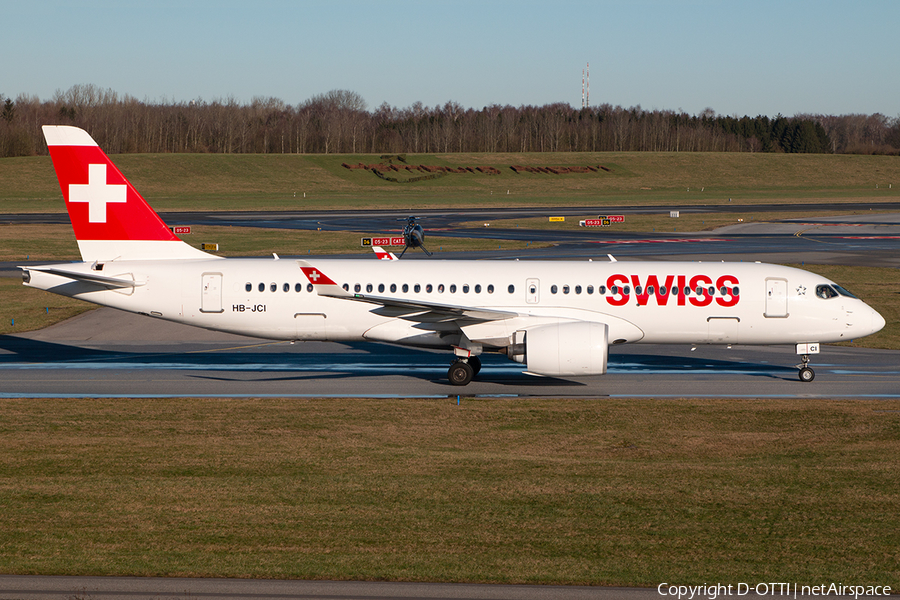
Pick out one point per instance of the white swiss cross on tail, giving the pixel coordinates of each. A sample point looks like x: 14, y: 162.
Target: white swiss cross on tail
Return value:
x: 97, y: 193
x: 117, y: 223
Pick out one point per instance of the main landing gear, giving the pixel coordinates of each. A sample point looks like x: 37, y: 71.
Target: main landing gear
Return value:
x: 806, y: 373
x: 462, y: 370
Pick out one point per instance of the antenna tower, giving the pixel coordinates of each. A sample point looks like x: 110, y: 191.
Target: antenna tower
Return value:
x: 586, y: 86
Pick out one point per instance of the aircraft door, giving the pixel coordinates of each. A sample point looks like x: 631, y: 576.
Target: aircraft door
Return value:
x: 776, y: 298
x: 532, y: 291
x: 211, y: 293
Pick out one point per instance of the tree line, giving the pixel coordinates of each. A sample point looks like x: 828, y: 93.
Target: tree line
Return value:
x: 339, y: 122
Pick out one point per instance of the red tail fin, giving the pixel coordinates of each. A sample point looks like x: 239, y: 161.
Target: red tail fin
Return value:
x: 110, y: 218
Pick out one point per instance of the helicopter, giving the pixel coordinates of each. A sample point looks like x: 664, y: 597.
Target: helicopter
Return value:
x: 413, y: 235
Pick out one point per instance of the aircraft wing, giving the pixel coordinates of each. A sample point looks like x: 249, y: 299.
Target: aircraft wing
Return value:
x: 116, y: 282
x: 417, y: 310
x: 431, y: 311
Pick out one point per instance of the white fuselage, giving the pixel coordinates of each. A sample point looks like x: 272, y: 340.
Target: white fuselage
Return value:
x: 738, y: 303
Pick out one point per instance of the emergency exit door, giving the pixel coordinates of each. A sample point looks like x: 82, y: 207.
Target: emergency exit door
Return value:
x: 532, y: 291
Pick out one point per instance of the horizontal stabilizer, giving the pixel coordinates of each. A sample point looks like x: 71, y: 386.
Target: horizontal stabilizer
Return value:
x: 114, y: 282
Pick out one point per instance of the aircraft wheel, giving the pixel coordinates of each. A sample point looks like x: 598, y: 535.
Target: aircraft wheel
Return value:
x: 475, y: 363
x: 807, y: 374
x: 460, y: 373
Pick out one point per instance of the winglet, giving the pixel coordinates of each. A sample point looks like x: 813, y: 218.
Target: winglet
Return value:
x: 322, y: 283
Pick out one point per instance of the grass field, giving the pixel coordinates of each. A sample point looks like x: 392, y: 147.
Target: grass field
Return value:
x: 260, y: 182
x: 577, y: 491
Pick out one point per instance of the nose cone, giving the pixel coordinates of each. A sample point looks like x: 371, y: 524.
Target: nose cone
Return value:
x: 878, y: 321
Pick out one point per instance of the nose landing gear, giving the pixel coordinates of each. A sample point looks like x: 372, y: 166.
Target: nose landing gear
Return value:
x: 806, y: 373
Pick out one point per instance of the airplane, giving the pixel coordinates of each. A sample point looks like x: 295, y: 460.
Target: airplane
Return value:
x: 558, y: 318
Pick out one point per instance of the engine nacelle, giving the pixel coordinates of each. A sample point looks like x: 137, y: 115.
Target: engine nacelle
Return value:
x: 567, y: 349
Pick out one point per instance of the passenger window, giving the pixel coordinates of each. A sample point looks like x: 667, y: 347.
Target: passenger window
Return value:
x: 309, y: 287
x: 577, y: 289
x: 490, y: 288
x: 345, y: 286
x: 428, y: 288
x: 601, y: 290
x: 368, y: 288
x: 565, y: 289
x: 380, y: 288
x: 465, y: 288
x: 393, y: 287
x: 405, y: 288
x: 553, y: 289
x: 627, y: 290
x: 590, y: 289
x: 273, y: 286
x: 286, y: 287
x: 477, y: 288
x: 650, y: 290
x: 723, y: 290
x: 735, y: 291
x: 357, y: 288
x: 298, y: 287
x: 441, y: 288
x: 452, y: 288
x: 249, y: 287
x: 638, y: 290
x: 262, y: 287
x: 511, y: 289
x: 614, y: 290
x: 417, y: 288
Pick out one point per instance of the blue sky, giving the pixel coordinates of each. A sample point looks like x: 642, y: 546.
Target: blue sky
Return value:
x: 754, y: 57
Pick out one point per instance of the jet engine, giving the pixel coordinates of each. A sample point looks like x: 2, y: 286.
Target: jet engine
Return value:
x: 563, y: 349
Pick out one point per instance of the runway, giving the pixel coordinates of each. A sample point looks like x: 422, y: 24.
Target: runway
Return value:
x: 17, y: 587
x: 107, y: 353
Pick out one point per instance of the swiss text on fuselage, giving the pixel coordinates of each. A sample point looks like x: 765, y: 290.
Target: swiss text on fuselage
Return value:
x: 682, y: 290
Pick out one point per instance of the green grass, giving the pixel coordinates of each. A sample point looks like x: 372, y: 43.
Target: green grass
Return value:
x: 26, y: 309
x: 275, y: 181
x: 576, y: 491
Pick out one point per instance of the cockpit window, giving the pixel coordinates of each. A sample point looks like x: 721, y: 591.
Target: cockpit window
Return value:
x: 842, y: 291
x: 825, y: 291
x: 832, y: 291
